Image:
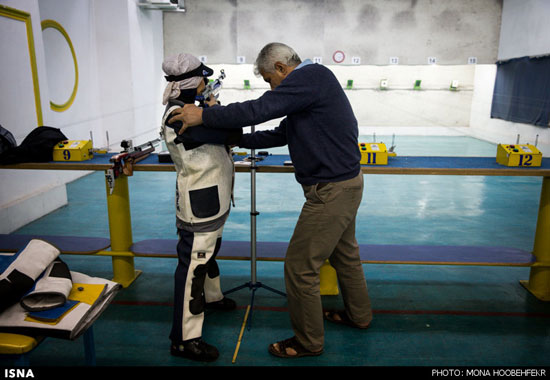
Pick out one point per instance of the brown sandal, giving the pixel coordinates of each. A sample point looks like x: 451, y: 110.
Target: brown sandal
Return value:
x: 342, y: 319
x: 292, y: 343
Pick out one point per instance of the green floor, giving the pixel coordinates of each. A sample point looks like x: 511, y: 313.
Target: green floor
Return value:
x: 424, y: 315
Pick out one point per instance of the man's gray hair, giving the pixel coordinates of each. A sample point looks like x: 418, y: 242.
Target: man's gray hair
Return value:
x: 275, y: 52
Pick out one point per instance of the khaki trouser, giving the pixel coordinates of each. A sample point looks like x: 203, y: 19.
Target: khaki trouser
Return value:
x: 325, y: 230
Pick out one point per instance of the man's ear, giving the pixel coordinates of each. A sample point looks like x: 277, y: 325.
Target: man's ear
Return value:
x: 280, y: 67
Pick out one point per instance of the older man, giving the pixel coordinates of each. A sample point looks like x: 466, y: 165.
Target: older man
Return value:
x: 321, y: 132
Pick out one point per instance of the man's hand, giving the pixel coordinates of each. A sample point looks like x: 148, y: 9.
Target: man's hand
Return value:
x: 190, y: 115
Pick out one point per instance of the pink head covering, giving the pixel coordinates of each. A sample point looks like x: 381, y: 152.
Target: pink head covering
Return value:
x: 178, y: 65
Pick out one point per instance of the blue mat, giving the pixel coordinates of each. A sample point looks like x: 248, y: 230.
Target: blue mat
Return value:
x: 429, y: 162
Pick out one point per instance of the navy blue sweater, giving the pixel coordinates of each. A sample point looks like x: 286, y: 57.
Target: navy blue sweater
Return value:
x: 320, y: 127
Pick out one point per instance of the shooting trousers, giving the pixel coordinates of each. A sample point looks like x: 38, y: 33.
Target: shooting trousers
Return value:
x: 196, y: 282
x: 325, y: 230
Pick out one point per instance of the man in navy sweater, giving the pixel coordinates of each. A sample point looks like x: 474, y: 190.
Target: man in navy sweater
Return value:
x: 321, y: 132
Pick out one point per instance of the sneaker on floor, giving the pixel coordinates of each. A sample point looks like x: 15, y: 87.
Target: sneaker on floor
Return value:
x: 195, y: 349
x: 223, y: 304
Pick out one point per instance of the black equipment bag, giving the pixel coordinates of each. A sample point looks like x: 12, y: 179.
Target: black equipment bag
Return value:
x: 36, y: 147
x: 7, y: 141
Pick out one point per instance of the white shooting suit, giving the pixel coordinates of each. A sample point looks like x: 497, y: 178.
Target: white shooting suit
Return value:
x: 204, y: 186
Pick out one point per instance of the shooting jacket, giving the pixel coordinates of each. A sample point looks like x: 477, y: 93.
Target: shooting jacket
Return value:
x: 205, y: 177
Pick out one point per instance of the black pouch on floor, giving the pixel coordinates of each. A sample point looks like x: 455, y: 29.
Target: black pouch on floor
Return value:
x: 36, y: 147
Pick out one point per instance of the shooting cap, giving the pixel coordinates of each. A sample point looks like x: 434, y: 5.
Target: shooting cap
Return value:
x: 183, y: 71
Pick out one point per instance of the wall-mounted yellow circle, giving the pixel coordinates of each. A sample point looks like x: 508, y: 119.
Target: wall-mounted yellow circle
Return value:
x: 55, y: 25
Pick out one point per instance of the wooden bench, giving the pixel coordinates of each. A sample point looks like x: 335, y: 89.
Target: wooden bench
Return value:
x: 66, y: 244
x: 369, y: 253
x: 275, y: 251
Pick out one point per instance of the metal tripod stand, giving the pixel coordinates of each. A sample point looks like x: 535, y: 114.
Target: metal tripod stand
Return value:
x: 253, y: 284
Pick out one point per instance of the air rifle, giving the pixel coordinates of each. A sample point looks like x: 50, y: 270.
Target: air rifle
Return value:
x: 122, y: 163
x: 211, y: 89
